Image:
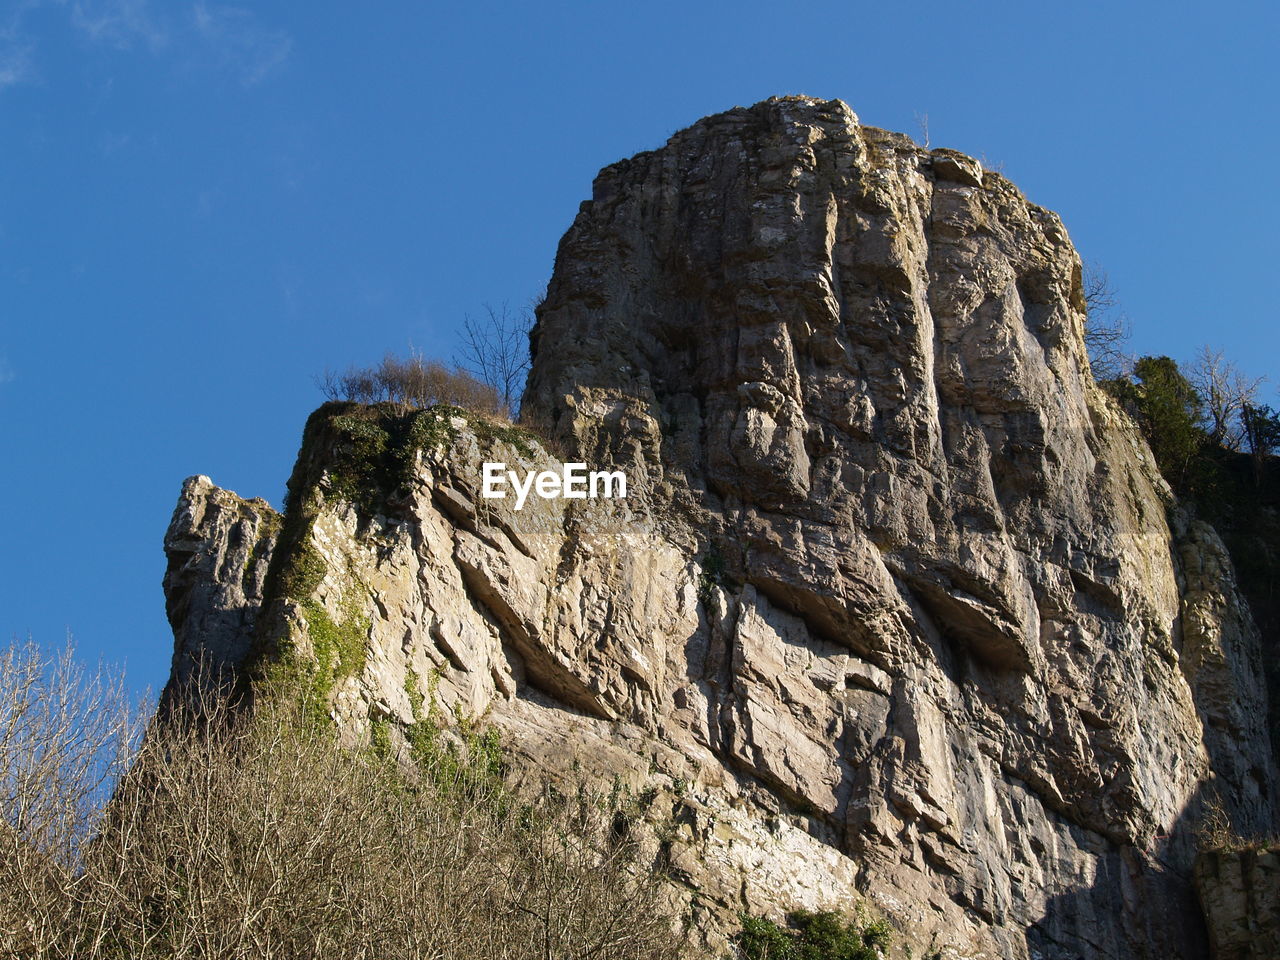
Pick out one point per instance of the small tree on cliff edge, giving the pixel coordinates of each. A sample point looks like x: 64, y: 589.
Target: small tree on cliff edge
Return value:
x: 415, y: 382
x: 1106, y: 329
x: 1169, y: 411
x: 495, y: 349
x: 1261, y: 426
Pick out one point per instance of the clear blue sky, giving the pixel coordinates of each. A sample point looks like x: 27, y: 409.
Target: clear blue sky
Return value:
x: 203, y: 205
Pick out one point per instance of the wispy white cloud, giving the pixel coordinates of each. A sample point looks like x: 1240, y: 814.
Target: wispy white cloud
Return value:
x: 113, y: 143
x: 207, y: 201
x: 290, y: 288
x: 243, y: 44
x: 197, y: 35
x: 15, y: 48
x: 6, y: 370
x: 15, y: 65
x: 120, y: 23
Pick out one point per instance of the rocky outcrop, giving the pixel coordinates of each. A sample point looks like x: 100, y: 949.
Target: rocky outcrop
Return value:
x: 1240, y: 890
x: 893, y: 611
x: 218, y: 546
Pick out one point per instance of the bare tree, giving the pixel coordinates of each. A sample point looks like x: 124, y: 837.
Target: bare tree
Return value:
x: 1106, y: 329
x: 495, y: 348
x: 1099, y: 294
x: 67, y: 736
x: 253, y: 833
x: 1226, y: 393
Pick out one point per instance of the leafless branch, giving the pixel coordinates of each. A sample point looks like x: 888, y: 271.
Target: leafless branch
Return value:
x: 256, y: 834
x: 1226, y: 392
x: 495, y: 349
x: 1106, y: 329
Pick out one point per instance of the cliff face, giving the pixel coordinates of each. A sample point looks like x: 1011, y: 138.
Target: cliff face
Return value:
x: 1240, y: 890
x: 897, y: 608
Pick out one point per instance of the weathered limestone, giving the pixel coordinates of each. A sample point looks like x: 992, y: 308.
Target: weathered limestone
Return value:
x: 892, y: 613
x: 1240, y: 890
x: 218, y: 547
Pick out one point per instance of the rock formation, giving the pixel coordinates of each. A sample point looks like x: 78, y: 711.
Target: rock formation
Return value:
x: 897, y: 611
x: 218, y: 547
x: 1240, y: 889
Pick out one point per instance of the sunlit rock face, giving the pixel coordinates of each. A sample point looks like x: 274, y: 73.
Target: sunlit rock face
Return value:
x: 218, y: 547
x: 897, y: 609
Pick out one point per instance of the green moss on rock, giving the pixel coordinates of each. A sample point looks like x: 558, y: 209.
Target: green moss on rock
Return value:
x: 339, y: 646
x: 372, y: 451
x: 302, y: 574
x: 363, y: 455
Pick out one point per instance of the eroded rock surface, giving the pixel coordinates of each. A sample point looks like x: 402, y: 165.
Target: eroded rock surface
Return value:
x: 1240, y: 890
x: 892, y: 612
x: 218, y: 546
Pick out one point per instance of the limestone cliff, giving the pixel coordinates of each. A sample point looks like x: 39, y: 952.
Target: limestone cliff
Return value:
x: 1240, y: 889
x: 897, y: 609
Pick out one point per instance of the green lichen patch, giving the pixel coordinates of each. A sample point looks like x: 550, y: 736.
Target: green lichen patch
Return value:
x: 365, y: 454
x: 525, y: 442
x: 372, y: 451
x: 361, y: 447
x: 338, y: 651
x: 813, y: 936
x: 339, y: 647
x: 256, y: 553
x: 380, y: 738
x: 474, y: 765
x: 712, y: 573
x: 417, y: 696
x: 471, y: 761
x: 431, y: 428
x: 301, y: 575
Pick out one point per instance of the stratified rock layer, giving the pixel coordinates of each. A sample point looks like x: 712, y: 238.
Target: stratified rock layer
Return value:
x: 892, y: 613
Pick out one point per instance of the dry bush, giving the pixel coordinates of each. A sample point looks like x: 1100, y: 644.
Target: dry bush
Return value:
x: 1216, y: 832
x: 66, y: 736
x: 559, y: 443
x: 239, y: 836
x: 414, y: 382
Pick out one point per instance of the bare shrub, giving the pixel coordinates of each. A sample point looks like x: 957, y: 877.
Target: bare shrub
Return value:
x: 245, y: 836
x: 922, y: 123
x: 1216, y: 831
x: 357, y: 385
x: 582, y: 881
x: 413, y: 382
x: 67, y: 735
